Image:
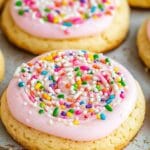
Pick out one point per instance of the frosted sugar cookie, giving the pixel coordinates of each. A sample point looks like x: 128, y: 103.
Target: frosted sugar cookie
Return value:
x: 79, y: 99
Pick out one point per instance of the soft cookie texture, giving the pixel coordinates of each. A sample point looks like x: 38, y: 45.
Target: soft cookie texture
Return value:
x: 140, y: 3
x: 143, y: 44
x: 107, y: 40
x: 33, y: 139
x: 1, y: 66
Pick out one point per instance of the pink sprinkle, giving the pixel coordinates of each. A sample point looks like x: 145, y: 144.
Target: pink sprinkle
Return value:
x: 50, y: 17
x: 85, y: 68
x: 78, y: 112
x: 122, y: 95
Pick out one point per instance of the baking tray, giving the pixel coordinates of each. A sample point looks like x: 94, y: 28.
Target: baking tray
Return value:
x: 126, y: 54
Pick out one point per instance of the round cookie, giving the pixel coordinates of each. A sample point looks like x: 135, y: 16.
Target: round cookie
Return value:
x: 106, y: 40
x: 143, y: 43
x: 1, y: 66
x: 139, y: 3
x: 112, y: 128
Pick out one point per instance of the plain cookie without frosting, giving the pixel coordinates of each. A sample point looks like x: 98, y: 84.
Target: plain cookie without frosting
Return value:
x: 143, y: 44
x: 103, y: 42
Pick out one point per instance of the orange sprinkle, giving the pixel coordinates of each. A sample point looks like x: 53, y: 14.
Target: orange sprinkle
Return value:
x: 96, y: 66
x: 68, y: 85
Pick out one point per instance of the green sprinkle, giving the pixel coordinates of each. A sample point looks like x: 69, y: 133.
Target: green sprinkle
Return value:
x: 75, y: 87
x: 108, y: 107
x: 95, y: 56
x: 76, y: 69
x: 98, y: 87
x: 61, y: 96
x: 56, y: 112
x: 41, y: 111
x: 79, y: 74
x: 112, y: 82
x: 23, y: 70
x: 100, y: 6
x: 122, y: 82
x: 84, y: 82
x: 18, y: 3
x: 71, y: 111
x: 21, y: 12
x: 107, y: 60
x: 47, y: 10
x: 42, y: 105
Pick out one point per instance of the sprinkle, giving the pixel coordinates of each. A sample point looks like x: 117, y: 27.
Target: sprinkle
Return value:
x: 76, y: 122
x: 56, y: 112
x: 44, y: 72
x: 61, y: 96
x: 108, y: 107
x: 21, y: 84
x: 89, y: 106
x: 103, y: 116
x: 41, y: 111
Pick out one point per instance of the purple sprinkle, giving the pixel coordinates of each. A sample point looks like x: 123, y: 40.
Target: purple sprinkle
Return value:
x: 63, y: 113
x: 89, y: 106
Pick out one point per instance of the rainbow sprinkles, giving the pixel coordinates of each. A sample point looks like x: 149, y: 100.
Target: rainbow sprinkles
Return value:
x: 72, y: 86
x: 66, y: 13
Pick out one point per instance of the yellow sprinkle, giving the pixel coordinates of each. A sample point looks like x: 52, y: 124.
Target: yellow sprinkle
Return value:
x: 79, y: 82
x: 48, y: 58
x: 64, y: 2
x: 69, y: 114
x: 90, y: 57
x: 76, y: 122
x: 46, y: 96
x: 98, y: 116
x: 56, y: 20
x: 37, y: 86
x: 116, y: 69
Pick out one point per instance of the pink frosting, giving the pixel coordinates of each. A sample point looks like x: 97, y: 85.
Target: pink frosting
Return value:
x: 54, y: 31
x: 148, y: 30
x: 27, y: 114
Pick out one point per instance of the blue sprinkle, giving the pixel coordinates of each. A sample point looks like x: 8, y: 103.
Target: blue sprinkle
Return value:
x: 44, y: 72
x: 103, y: 116
x: 112, y: 96
x: 93, y: 9
x: 21, y: 84
x: 82, y: 102
x: 67, y: 24
x: 108, y: 101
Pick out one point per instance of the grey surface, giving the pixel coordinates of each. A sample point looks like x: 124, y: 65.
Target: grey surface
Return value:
x: 126, y: 54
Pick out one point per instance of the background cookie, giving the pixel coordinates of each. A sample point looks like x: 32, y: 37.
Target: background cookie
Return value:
x: 1, y: 66
x: 140, y: 3
x: 105, y: 41
x: 143, y: 44
x: 117, y: 140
